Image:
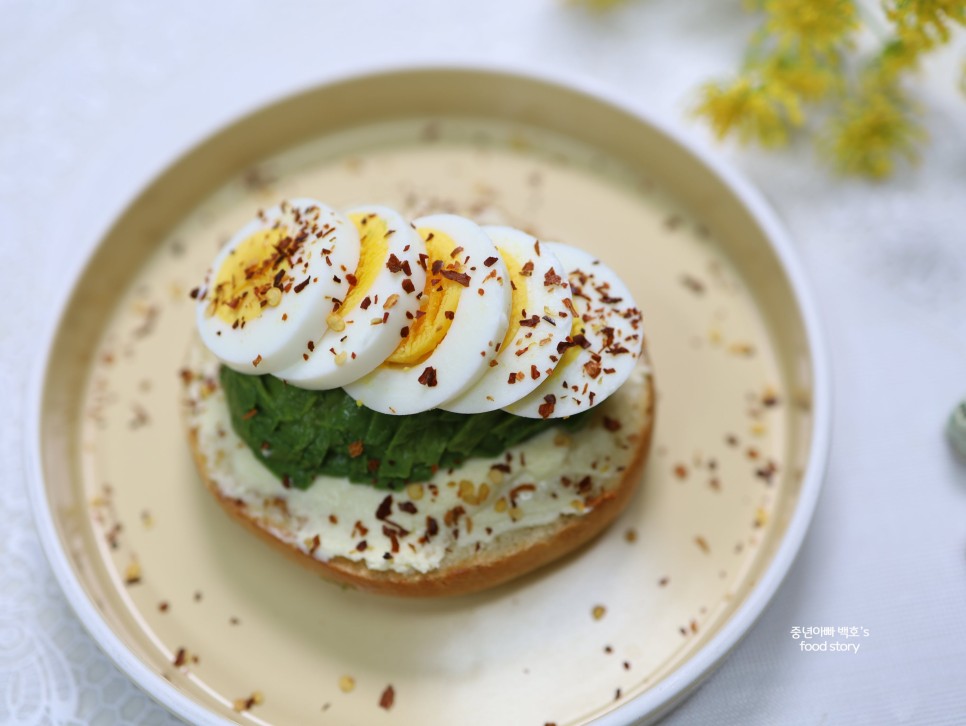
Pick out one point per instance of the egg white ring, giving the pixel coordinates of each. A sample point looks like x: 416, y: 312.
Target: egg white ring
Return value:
x: 537, y: 343
x: 479, y: 324
x: 277, y: 337
x: 625, y: 319
x: 340, y: 357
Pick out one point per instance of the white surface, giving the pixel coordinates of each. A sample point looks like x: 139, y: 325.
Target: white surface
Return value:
x: 96, y: 98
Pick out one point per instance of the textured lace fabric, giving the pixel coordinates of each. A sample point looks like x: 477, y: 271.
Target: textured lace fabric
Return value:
x: 51, y: 672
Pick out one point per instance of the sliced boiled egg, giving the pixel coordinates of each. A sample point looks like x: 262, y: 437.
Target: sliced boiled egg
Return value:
x: 461, y: 321
x: 603, y: 346
x: 273, y: 282
x: 540, y: 320
x: 379, y: 309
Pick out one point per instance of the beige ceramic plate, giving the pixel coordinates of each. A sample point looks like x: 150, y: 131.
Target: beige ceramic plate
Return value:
x: 201, y: 614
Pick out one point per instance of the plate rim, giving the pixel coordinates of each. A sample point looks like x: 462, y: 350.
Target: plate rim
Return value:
x: 671, y: 690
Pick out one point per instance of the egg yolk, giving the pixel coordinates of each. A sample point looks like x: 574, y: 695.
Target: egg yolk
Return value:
x: 252, y: 277
x: 374, y: 249
x: 441, y: 296
x: 577, y: 328
x: 518, y: 296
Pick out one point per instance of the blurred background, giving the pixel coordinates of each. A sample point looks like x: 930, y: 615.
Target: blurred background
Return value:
x: 97, y: 97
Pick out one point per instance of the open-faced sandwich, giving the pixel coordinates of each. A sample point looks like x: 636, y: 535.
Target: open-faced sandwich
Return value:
x: 417, y: 409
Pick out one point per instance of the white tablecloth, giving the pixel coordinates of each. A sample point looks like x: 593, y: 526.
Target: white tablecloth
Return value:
x: 97, y: 96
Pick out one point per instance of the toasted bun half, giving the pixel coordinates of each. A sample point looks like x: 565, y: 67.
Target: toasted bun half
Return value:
x: 275, y: 516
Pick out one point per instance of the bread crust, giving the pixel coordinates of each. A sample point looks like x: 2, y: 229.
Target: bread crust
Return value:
x: 528, y: 550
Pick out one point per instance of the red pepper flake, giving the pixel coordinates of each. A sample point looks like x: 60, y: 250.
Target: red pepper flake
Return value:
x: 408, y: 507
x: 428, y: 377
x: 611, y: 424
x: 356, y: 448
x: 490, y: 261
x: 693, y: 284
x: 404, y: 332
x: 530, y: 322
x: 387, y: 698
x: 432, y: 527
x: 592, y: 368
x: 385, y: 507
x: 681, y: 471
x: 361, y: 547
x: 394, y: 264
x: 452, y: 517
x: 534, y: 372
x: 518, y: 490
x: 551, y: 278
x: 458, y: 277
x: 250, y: 414
x: 456, y: 253
x: 302, y: 285
x: 702, y: 544
x: 181, y: 657
x: 547, y: 407
x: 366, y: 302
x: 449, y: 314
x: 512, y: 378
x: 527, y: 269
x: 408, y: 286
x: 163, y: 606
x: 393, y: 536
x: 311, y: 345
x: 197, y: 291
x: 351, y: 279
x: 258, y: 359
